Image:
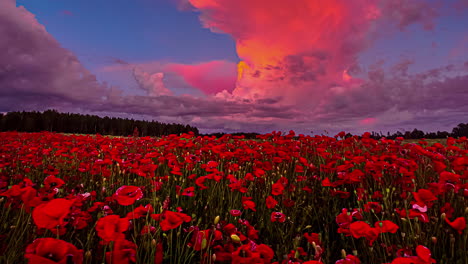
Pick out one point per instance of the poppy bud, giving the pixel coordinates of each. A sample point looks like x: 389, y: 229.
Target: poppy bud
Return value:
x: 434, y: 240
x: 355, y: 252
x: 442, y: 216
x: 204, y: 243
x: 153, y: 242
x: 88, y: 254
x: 235, y: 238
x: 216, y: 220
x: 343, y: 253
x: 213, y: 257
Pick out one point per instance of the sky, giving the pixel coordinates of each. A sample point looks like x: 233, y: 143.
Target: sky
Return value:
x: 312, y: 66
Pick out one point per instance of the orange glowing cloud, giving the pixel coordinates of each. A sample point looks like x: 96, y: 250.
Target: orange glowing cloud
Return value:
x: 291, y: 49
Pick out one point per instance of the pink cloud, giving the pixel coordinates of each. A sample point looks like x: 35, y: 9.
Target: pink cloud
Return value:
x: 368, y: 121
x: 298, y: 50
x: 293, y: 49
x: 209, y: 77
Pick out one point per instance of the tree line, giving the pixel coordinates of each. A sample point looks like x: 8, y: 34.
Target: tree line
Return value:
x: 53, y: 121
x: 461, y: 130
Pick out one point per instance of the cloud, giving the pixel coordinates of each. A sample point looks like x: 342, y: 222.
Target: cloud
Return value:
x: 35, y: 68
x: 300, y: 50
x: 209, y: 77
x: 405, y: 13
x: 153, y: 84
x: 289, y: 49
x: 398, y: 98
x: 36, y: 73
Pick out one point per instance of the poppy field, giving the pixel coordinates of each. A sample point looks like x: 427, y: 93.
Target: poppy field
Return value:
x: 281, y: 198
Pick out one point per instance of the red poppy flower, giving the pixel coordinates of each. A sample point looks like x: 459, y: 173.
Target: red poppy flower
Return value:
x: 278, y: 217
x: 266, y: 253
x: 424, y: 197
x: 111, y: 227
x: 458, y: 224
x: 171, y: 220
x: 52, y: 251
x: 252, y: 253
x: 375, y: 206
x: 140, y: 211
x: 277, y: 188
x: 289, y: 202
x: 387, y: 226
x: 200, y: 182
x: 271, y: 202
x: 127, y: 195
x: 359, y: 229
x: 52, y: 214
x: 124, y: 252
x: 344, y: 219
x: 312, y: 238
x: 362, y: 229
x: 248, y: 204
x: 211, y: 166
x: 423, y: 257
x: 53, y: 182
x: 424, y: 253
x: 190, y: 191
x: 235, y: 212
